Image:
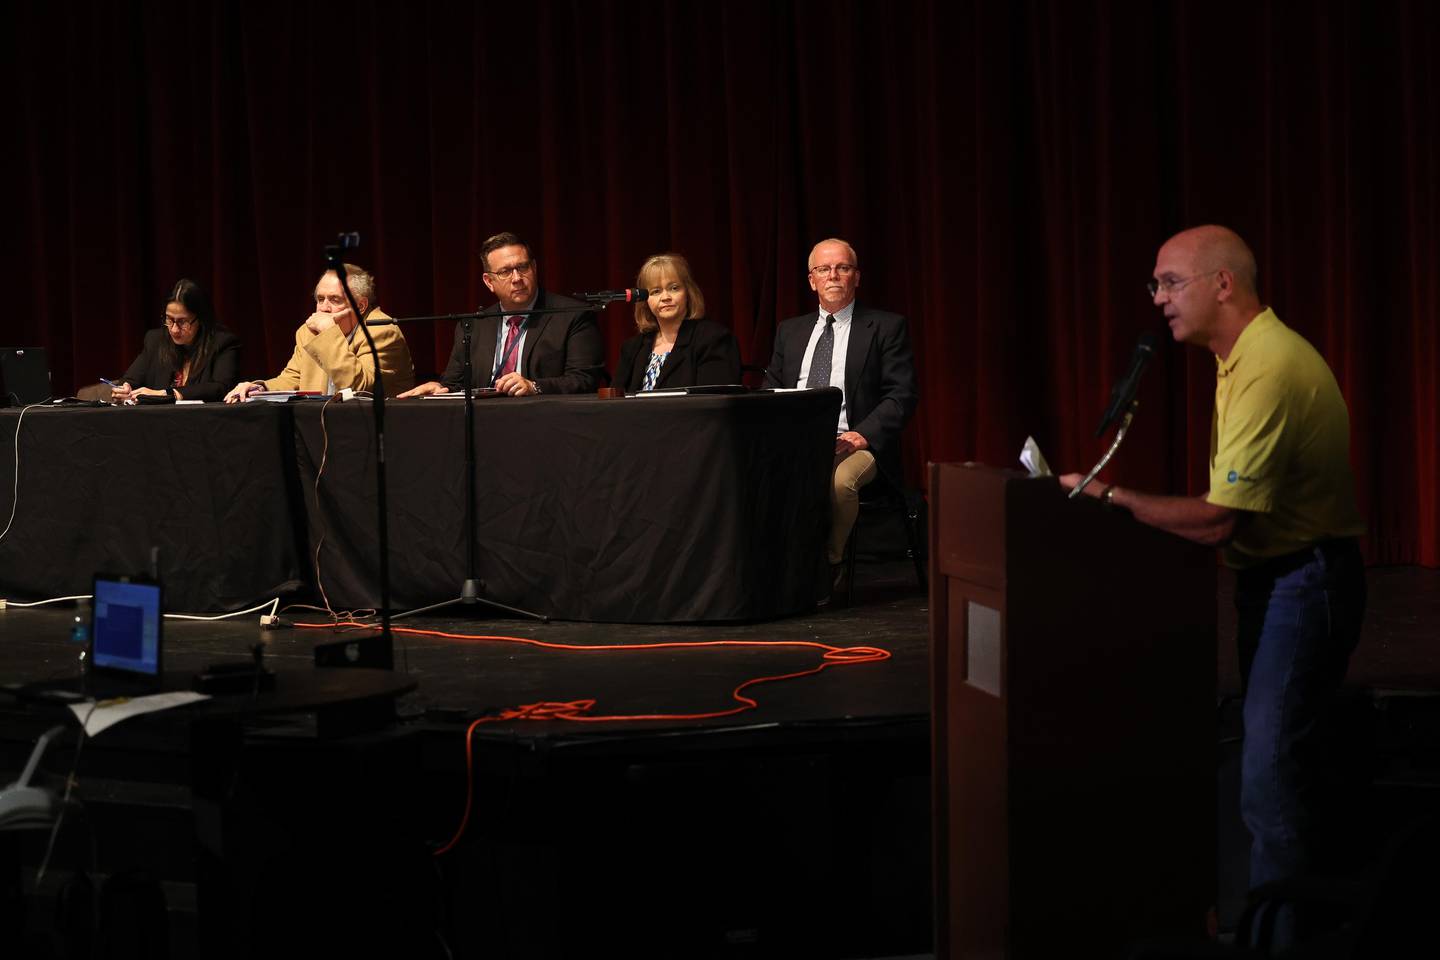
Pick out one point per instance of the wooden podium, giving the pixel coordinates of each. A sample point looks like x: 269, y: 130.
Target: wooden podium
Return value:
x: 1073, y: 704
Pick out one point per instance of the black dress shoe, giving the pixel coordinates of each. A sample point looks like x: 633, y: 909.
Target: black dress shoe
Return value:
x: 839, y: 583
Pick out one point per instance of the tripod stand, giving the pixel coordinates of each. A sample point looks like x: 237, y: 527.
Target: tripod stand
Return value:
x: 378, y: 651
x: 472, y: 589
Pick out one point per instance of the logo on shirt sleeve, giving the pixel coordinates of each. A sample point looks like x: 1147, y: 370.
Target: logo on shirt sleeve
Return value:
x: 1234, y: 477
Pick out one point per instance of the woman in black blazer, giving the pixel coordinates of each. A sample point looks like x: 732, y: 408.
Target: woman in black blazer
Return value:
x: 676, y: 345
x: 191, y: 358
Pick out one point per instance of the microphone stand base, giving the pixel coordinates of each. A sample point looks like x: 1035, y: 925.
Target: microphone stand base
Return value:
x: 471, y: 596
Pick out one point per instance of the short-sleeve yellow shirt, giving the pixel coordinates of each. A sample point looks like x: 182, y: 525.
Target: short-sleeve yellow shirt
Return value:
x: 1280, y: 445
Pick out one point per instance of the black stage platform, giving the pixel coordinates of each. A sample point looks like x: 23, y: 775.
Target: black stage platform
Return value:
x: 798, y: 828
x: 800, y: 825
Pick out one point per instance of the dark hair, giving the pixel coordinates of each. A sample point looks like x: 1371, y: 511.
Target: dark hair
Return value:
x: 193, y: 298
x: 505, y: 239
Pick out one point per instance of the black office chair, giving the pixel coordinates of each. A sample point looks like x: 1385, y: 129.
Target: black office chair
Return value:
x: 884, y: 498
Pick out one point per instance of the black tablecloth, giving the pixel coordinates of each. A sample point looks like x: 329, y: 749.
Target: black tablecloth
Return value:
x: 653, y: 509
x: 214, y: 488
x: 657, y: 509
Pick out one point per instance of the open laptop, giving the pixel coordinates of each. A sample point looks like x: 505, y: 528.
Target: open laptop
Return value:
x: 126, y: 628
x: 24, y: 376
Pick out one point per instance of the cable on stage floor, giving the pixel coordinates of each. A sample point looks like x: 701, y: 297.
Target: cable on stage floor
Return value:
x: 580, y: 711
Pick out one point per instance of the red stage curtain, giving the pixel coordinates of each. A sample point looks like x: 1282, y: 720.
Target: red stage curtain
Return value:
x: 1006, y: 171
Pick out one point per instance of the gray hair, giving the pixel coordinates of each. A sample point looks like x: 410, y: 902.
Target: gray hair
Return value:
x: 361, y: 283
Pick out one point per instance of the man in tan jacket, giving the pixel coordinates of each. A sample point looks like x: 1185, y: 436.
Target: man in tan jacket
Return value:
x: 331, y: 352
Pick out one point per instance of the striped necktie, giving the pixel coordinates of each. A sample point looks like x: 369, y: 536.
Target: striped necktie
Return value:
x: 509, y: 352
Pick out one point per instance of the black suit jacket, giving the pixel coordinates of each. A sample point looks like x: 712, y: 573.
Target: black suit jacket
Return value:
x: 563, y: 351
x: 221, y: 372
x: 880, y: 389
x: 704, y: 353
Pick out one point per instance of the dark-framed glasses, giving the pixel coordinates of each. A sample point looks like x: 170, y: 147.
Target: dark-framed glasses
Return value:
x: 824, y: 270
x: 523, y: 268
x: 180, y: 323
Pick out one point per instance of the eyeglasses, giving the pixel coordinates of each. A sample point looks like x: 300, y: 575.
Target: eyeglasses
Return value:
x: 839, y: 269
x: 505, y: 273
x: 1170, y: 286
x: 181, y: 323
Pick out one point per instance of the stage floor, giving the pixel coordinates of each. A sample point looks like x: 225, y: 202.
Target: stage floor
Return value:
x: 738, y: 832
x: 458, y: 676
x: 839, y: 759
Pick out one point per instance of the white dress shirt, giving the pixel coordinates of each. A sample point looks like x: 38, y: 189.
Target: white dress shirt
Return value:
x: 837, y: 357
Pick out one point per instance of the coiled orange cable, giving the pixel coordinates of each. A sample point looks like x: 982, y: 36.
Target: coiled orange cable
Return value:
x: 579, y: 711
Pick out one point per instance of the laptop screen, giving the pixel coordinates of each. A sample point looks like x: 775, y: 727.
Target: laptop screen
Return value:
x: 24, y: 376
x: 125, y: 627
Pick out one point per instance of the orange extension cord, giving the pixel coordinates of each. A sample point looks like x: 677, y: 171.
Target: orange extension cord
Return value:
x: 579, y: 710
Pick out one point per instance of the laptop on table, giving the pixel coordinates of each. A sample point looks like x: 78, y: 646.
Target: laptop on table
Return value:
x: 24, y: 376
x: 126, y: 633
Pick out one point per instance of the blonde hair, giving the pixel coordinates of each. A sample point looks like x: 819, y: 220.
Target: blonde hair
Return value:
x: 650, y: 273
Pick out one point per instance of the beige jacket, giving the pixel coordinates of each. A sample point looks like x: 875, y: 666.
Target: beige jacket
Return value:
x: 349, y: 362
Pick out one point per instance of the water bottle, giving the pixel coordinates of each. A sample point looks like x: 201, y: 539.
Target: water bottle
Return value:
x: 80, y: 629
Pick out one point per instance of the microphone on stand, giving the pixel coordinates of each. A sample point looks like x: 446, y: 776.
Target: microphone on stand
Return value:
x: 769, y: 375
x: 1124, y: 391
x: 628, y: 295
x: 1122, y: 405
x: 367, y: 651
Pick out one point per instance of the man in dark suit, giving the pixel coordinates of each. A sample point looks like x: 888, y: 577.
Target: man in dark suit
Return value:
x: 525, y: 354
x: 864, y: 352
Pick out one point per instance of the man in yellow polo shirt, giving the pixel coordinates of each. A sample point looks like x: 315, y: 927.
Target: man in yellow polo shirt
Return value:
x: 1281, y: 505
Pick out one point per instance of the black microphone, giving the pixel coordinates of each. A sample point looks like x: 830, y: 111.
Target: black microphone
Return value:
x: 628, y: 295
x: 344, y: 241
x: 1125, y: 390
x: 769, y: 375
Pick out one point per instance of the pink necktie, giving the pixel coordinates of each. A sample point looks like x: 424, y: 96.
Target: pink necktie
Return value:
x: 510, y: 351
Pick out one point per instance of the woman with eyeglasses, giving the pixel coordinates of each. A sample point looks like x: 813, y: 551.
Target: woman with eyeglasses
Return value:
x: 676, y: 345
x: 191, y: 357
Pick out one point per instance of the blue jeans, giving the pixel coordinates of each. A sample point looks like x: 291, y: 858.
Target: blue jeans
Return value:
x: 1299, y: 621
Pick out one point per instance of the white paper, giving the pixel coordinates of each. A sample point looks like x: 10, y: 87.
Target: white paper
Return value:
x: 1033, y: 460
x: 460, y: 394
x: 98, y: 717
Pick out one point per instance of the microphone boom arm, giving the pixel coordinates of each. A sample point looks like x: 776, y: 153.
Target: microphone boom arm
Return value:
x: 1114, y: 445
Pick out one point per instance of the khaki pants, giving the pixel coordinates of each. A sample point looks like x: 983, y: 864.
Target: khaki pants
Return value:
x: 851, y: 473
